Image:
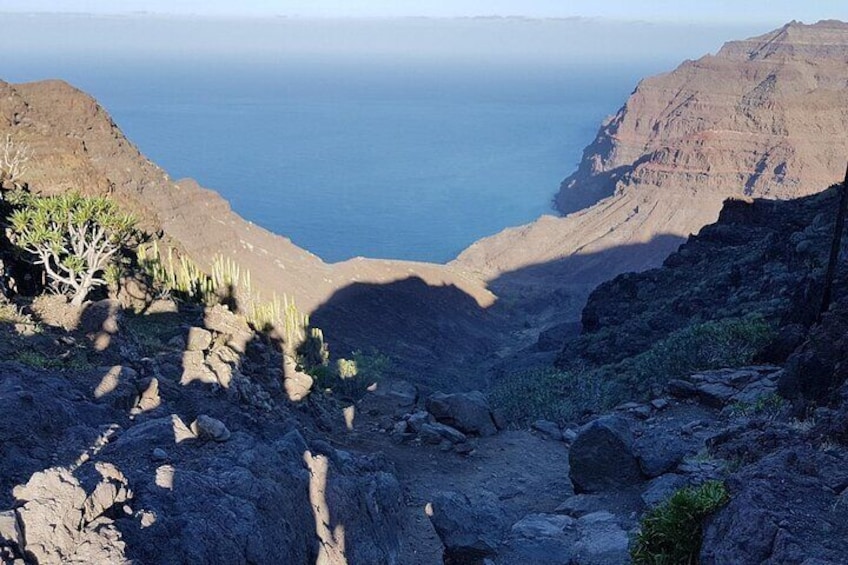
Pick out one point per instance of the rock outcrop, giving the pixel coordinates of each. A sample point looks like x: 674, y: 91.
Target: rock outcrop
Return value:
x: 762, y: 118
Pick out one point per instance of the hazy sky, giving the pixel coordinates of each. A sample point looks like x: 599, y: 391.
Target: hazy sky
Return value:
x: 715, y: 11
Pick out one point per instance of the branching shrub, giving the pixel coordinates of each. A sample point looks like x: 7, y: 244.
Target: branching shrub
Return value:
x: 350, y: 378
x: 671, y: 534
x: 75, y: 238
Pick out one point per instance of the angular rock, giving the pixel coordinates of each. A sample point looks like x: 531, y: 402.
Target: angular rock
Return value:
x: 658, y: 453
x: 417, y: 419
x: 661, y: 488
x: 468, y: 530
x: 207, y: 427
x: 297, y: 384
x: 198, y: 339
x: 10, y: 530
x: 581, y: 504
x: 468, y: 412
x: 602, y: 457
x: 548, y: 429
x: 602, y: 541
x: 542, y: 526
x: 436, y: 433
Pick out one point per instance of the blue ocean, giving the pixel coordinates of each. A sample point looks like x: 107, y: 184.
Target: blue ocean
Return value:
x: 398, y: 156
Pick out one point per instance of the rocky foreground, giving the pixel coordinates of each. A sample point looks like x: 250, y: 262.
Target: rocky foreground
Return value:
x: 172, y: 433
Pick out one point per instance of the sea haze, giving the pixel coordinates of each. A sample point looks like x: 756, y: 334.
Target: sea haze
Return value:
x: 347, y: 148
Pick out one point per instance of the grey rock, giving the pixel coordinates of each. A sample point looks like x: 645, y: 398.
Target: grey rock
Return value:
x: 661, y: 488
x: 402, y: 393
x: 602, y: 458
x: 781, y: 511
x: 52, y: 520
x: 468, y: 412
x: 198, y: 339
x: 418, y: 419
x: 468, y: 530
x: 10, y: 530
x: 548, y: 429
x: 542, y: 526
x: 581, y: 504
x: 658, y: 453
x: 207, y: 427
x: 297, y: 384
x: 436, y: 433
x: 602, y: 541
x: 659, y: 403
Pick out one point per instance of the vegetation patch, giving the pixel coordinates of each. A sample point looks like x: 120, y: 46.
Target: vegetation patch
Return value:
x: 351, y: 378
x: 671, y: 533
x: 566, y: 395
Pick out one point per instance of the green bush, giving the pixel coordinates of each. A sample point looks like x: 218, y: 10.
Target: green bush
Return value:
x: 671, y: 533
x: 549, y: 394
x: 350, y: 378
x: 74, y: 237
x: 712, y: 345
x: 564, y: 395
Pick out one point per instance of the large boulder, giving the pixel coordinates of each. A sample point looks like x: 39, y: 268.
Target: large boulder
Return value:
x: 468, y: 412
x: 789, y: 507
x: 601, y: 457
x: 469, y: 530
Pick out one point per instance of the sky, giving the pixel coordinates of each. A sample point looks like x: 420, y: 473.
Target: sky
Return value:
x: 703, y: 11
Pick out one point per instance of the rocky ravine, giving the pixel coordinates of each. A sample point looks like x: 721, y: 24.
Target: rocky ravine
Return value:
x: 764, y: 117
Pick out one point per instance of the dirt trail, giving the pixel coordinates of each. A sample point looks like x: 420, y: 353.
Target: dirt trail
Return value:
x: 525, y: 472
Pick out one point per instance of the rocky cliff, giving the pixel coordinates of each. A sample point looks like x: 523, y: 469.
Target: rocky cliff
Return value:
x: 765, y: 117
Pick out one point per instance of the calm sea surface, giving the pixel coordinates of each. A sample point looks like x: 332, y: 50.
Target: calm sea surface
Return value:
x: 378, y: 159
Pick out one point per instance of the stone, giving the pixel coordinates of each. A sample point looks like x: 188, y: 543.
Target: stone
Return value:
x: 235, y: 330
x: 149, y: 399
x: 581, y: 504
x: 658, y: 453
x: 659, y: 403
x: 542, y: 525
x: 548, y: 429
x: 436, y: 433
x: 10, y: 530
x: 297, y: 384
x: 198, y: 339
x: 159, y: 454
x: 468, y: 412
x: 417, y: 419
x: 661, y: 488
x: 602, y: 541
x: 602, y: 457
x: 206, y: 427
x: 468, y: 530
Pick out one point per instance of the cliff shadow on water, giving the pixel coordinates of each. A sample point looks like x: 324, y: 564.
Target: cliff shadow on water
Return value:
x: 440, y: 337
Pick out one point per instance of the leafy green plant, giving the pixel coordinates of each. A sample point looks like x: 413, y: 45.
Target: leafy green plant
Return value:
x: 671, y: 534
x: 549, y: 394
x: 767, y: 406
x: 75, y: 238
x: 711, y: 345
x: 351, y: 378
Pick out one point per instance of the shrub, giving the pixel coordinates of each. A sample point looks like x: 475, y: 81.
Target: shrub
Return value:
x: 671, y: 533
x: 75, y: 238
x: 351, y: 378
x: 549, y: 394
x: 712, y: 345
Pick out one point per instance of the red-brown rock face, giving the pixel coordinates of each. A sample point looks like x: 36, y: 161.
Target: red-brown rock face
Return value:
x: 766, y: 116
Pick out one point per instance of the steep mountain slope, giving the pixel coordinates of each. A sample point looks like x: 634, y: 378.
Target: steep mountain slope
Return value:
x: 76, y: 145
x: 764, y: 117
